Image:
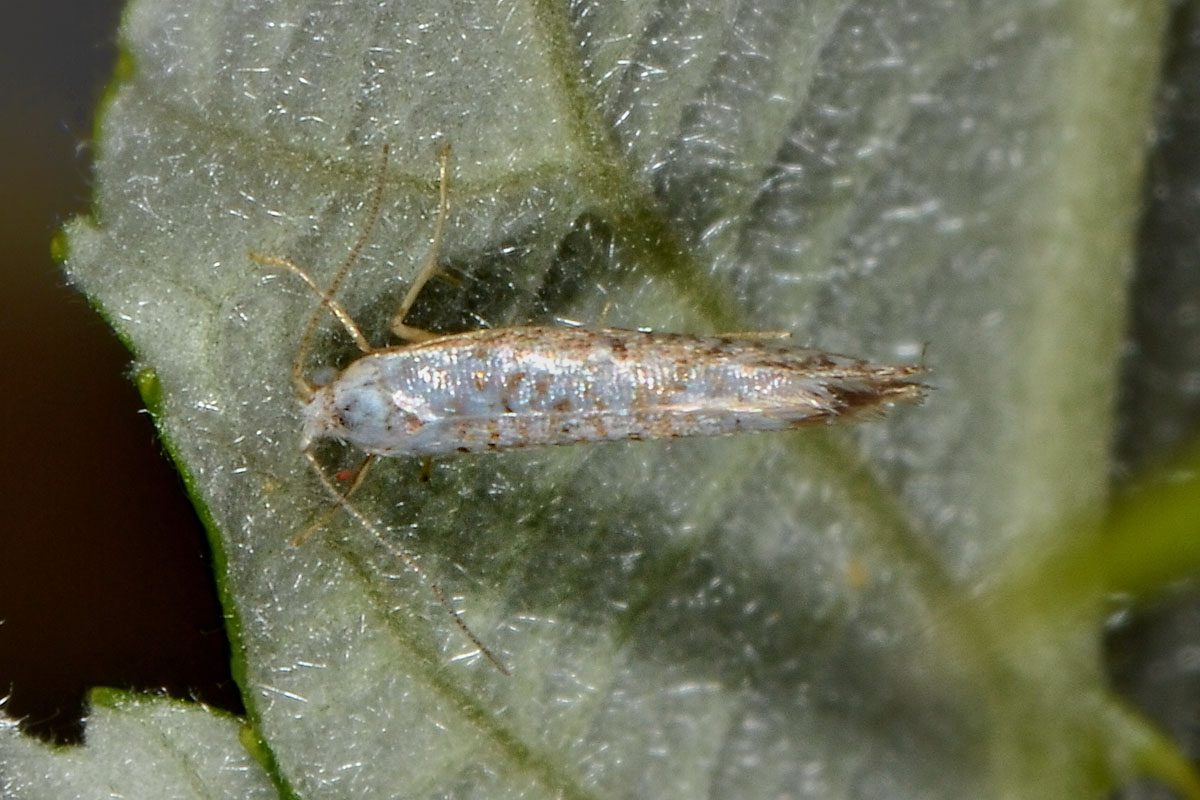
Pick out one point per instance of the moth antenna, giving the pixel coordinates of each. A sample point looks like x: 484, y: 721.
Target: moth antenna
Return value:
x: 360, y: 476
x: 327, y: 296
x: 303, y: 387
x: 409, y: 561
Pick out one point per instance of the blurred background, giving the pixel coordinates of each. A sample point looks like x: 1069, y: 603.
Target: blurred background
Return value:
x: 105, y: 579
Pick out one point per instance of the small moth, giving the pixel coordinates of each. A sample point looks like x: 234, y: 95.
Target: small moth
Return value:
x: 495, y: 389
x: 505, y: 388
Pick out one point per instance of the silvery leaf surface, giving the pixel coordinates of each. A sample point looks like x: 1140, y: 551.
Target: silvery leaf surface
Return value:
x: 791, y: 615
x: 137, y: 747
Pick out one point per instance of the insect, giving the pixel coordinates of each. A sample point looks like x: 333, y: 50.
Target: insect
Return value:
x: 503, y: 388
x: 496, y: 389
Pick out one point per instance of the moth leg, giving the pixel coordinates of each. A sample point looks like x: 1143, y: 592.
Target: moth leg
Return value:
x: 409, y: 561
x: 372, y: 219
x: 327, y: 298
x: 429, y: 267
x: 608, y: 304
x: 303, y: 387
x: 360, y: 475
x: 755, y: 335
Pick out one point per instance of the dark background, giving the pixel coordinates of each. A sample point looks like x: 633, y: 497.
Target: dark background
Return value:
x: 105, y: 577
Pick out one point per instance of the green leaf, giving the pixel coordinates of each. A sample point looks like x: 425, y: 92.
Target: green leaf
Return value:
x: 136, y: 747
x: 801, y: 615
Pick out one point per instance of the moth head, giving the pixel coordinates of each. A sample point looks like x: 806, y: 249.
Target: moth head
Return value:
x: 321, y: 418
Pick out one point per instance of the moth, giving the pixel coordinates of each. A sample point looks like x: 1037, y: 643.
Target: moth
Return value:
x: 498, y: 389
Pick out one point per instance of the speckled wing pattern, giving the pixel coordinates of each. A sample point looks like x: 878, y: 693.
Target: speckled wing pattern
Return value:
x: 497, y: 389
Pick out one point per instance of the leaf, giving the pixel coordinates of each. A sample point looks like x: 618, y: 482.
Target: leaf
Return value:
x: 810, y: 615
x: 1160, y: 410
x: 137, y: 747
